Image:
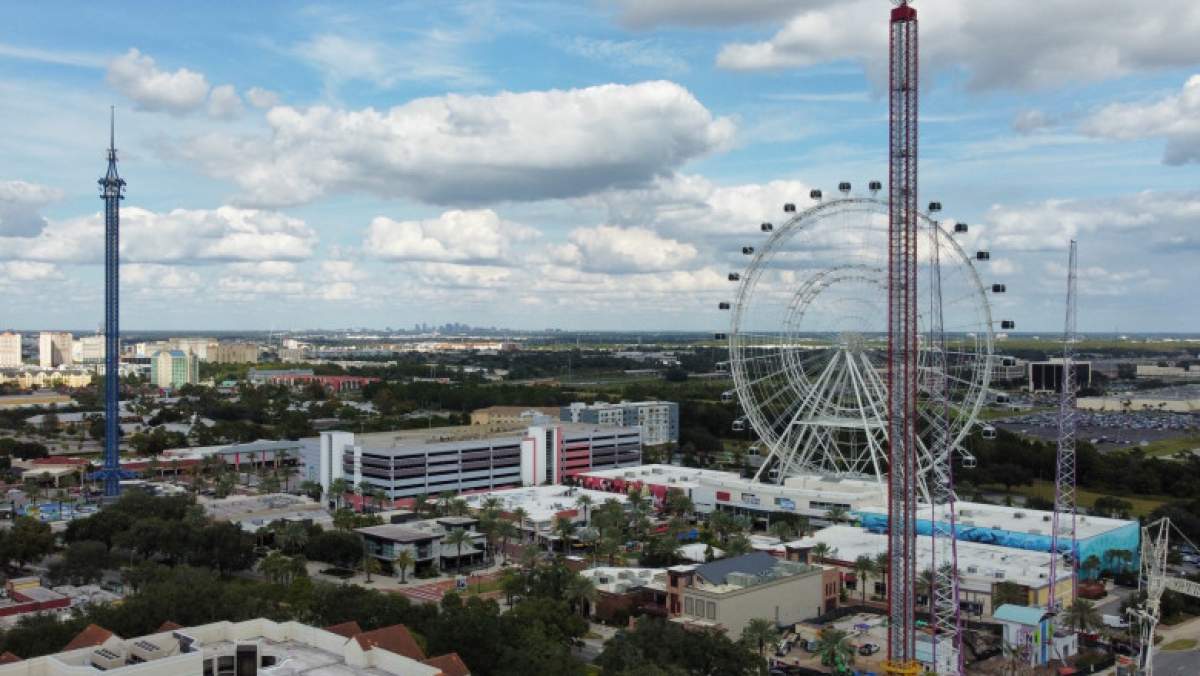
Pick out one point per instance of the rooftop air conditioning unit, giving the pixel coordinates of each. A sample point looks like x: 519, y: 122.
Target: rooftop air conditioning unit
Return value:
x: 1019, y: 515
x: 106, y: 660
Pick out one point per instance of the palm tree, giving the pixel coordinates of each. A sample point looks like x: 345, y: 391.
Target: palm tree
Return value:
x: 760, y: 633
x: 783, y: 530
x: 370, y: 565
x: 882, y: 565
x: 291, y: 537
x: 564, y: 527
x: 834, y: 649
x: 580, y: 592
x: 459, y: 507
x: 1089, y: 565
x: 457, y: 538
x: 584, y: 502
x: 925, y: 585
x: 837, y: 514
x: 862, y: 567
x: 821, y: 551
x: 519, y: 516
x: 505, y: 531
x: 1083, y: 616
x: 338, y: 489
x: 1010, y: 593
x: 404, y: 560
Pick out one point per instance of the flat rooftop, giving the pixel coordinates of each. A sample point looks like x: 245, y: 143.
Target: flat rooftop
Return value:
x: 989, y: 563
x: 542, y: 503
x: 1021, y: 519
x: 253, y: 512
x: 618, y: 580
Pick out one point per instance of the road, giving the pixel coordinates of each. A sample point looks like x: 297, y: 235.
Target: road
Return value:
x: 1176, y: 662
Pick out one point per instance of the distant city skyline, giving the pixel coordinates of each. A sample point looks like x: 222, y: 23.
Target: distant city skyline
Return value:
x: 589, y: 166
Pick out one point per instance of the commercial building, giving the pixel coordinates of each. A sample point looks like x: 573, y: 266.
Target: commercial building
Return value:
x: 981, y: 568
x: 171, y: 369
x: 54, y: 349
x: 88, y: 349
x: 302, y: 377
x: 1047, y: 376
x: 543, y: 505
x: 457, y: 459
x: 511, y: 415
x: 658, y: 420
x: 729, y: 593
x: 233, y: 353
x: 10, y: 349
x: 24, y: 595
x: 1032, y: 631
x: 258, y: 646
x: 423, y: 541
x: 1174, y: 399
x: 1156, y: 372
x: 622, y: 593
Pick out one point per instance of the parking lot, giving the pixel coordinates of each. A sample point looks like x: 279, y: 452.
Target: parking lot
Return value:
x: 1107, y: 430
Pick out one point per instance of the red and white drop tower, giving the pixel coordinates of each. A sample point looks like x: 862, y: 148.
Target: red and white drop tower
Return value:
x: 902, y: 341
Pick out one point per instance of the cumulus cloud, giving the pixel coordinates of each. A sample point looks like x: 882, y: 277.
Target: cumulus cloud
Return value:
x: 608, y: 248
x: 180, y: 235
x: 261, y: 98
x: 454, y: 236
x: 720, y: 13
x: 1056, y: 42
x: 138, y: 77
x: 29, y: 271
x: 471, y: 149
x: 1175, y: 117
x: 224, y: 102
x: 20, y: 203
x: 158, y: 277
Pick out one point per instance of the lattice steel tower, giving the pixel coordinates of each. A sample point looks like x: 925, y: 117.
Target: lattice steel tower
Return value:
x: 902, y: 341
x: 1063, y: 526
x: 112, y: 191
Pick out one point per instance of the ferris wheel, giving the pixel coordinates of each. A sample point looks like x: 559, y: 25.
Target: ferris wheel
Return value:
x: 808, y: 341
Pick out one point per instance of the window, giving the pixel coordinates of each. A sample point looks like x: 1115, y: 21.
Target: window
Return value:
x: 688, y: 606
x: 712, y: 610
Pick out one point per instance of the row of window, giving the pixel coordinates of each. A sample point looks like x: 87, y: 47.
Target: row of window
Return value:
x: 699, y: 608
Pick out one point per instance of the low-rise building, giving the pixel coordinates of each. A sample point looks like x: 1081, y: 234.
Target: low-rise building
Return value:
x: 729, y: 593
x: 982, y: 569
x: 511, y: 415
x: 423, y: 540
x: 622, y: 593
x: 233, y: 353
x: 1031, y: 631
x: 29, y: 377
x: 1047, y: 376
x: 1168, y: 372
x: 249, y: 647
x: 24, y: 595
x: 543, y: 505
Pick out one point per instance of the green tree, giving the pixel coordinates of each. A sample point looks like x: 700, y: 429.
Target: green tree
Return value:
x: 28, y: 540
x: 1010, y: 593
x: 312, y: 489
x: 834, y: 649
x: 821, y: 551
x: 291, y: 537
x: 1089, y: 566
x: 403, y: 561
x: 564, y: 527
x: 760, y: 633
x: 863, y: 566
x: 83, y: 562
x: 784, y: 530
x: 1082, y: 615
x: 584, y: 503
x: 837, y: 514
x: 580, y: 594
x: 457, y: 538
x: 337, y: 490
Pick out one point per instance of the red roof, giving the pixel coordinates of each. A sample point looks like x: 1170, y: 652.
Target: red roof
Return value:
x: 9, y: 658
x: 394, y: 639
x: 348, y: 629
x: 93, y: 635
x: 450, y: 664
x: 168, y: 626
x: 59, y: 460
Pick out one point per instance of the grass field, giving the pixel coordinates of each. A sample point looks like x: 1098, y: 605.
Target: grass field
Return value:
x: 1172, y: 446
x: 1142, y: 504
x: 1180, y: 644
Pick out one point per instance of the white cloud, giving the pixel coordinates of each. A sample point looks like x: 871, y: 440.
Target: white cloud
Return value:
x: 261, y: 98
x: 430, y: 57
x: 180, y: 235
x: 20, y: 203
x: 1030, y: 121
x: 224, y: 102
x: 158, y: 277
x: 454, y: 236
x: 627, y: 53
x: 607, y: 248
x: 263, y: 269
x: 1175, y: 117
x: 1051, y: 43
x: 342, y: 271
x: 471, y: 149
x: 719, y: 13
x: 136, y: 76
x: 28, y: 271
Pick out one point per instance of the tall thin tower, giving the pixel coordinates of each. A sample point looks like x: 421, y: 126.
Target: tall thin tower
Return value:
x: 112, y: 191
x: 902, y: 341
x: 1063, y: 526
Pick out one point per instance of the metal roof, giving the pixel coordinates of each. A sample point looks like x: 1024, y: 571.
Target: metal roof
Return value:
x: 755, y: 563
x: 1020, y: 614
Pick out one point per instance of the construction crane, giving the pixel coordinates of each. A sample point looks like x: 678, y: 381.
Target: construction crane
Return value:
x: 902, y: 371
x: 1062, y: 526
x: 1152, y: 582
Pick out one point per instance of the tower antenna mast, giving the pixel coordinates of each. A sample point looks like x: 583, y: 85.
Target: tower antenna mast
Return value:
x: 902, y: 341
x: 112, y: 191
x: 1063, y: 526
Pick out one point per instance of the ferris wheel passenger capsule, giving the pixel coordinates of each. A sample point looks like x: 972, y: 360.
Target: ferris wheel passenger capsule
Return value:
x: 960, y: 228
x: 935, y: 207
x: 1008, y: 324
x: 767, y: 227
x: 789, y: 208
x: 723, y: 305
x: 874, y: 187
x: 739, y: 424
x: 727, y: 396
x: 748, y: 250
x: 998, y: 288
x: 720, y: 336
x: 814, y: 194
x: 844, y: 187
x: 988, y: 432
x: 733, y: 277
x: 983, y: 255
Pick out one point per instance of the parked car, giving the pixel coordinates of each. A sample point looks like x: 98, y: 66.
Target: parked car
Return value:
x: 868, y: 649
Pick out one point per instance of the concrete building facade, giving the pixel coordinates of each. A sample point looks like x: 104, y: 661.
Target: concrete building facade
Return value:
x: 511, y: 415
x: 233, y: 353
x: 10, y: 349
x: 658, y: 420
x: 88, y: 349
x: 171, y: 369
x: 54, y: 349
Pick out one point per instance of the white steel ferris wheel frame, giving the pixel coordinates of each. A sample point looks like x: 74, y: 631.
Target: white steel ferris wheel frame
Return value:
x: 823, y: 437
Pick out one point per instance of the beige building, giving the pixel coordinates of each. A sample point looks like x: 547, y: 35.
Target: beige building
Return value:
x: 258, y: 646
x: 88, y: 349
x: 10, y: 349
x: 233, y: 353
x: 201, y: 347
x: 35, y: 378
x: 511, y: 415
x: 1167, y: 372
x: 174, y: 368
x: 729, y: 593
x: 54, y: 349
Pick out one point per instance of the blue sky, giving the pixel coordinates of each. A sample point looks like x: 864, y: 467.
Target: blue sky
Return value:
x: 575, y: 164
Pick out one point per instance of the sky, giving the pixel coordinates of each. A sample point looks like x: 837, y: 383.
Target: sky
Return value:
x: 584, y: 164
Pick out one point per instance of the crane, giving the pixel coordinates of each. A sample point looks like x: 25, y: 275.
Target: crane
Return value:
x: 1152, y: 581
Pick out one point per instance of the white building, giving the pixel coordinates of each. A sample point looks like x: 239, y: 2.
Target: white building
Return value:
x: 54, y: 349
x: 658, y: 420
x: 10, y: 349
x: 88, y: 349
x: 544, y: 504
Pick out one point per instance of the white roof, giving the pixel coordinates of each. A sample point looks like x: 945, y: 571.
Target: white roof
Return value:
x: 695, y: 551
x: 979, y: 565
x: 617, y: 580
x: 1024, y: 520
x: 542, y: 503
